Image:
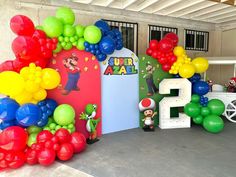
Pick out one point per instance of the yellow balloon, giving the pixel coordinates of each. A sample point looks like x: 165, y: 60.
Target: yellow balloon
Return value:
x: 187, y: 70
x: 23, y: 97
x: 24, y: 72
x: 50, y: 78
x: 40, y: 95
x: 11, y: 83
x: 179, y: 51
x: 31, y: 86
x: 201, y: 64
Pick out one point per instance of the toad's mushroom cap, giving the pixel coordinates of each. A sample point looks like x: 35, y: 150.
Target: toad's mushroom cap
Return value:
x: 147, y: 103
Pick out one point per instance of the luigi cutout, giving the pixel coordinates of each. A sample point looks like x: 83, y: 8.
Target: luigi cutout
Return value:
x: 91, y: 125
x: 148, y: 106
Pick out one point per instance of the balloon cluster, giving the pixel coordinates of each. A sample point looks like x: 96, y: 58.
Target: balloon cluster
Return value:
x: 97, y: 39
x: 30, y: 45
x: 173, y: 58
x: 29, y: 86
x: 208, y: 116
x: 14, y: 151
x: 47, y: 107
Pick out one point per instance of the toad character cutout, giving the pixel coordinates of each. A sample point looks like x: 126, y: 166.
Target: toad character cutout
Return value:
x: 73, y: 74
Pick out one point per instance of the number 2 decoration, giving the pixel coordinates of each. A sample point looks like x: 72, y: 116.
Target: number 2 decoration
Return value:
x: 184, y: 97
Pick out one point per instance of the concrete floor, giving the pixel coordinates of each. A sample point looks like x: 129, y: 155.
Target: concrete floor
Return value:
x: 164, y: 153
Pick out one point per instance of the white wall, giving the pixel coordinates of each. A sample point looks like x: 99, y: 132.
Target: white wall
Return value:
x: 89, y: 14
x: 229, y: 43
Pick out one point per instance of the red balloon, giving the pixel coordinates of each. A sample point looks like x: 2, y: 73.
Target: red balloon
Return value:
x: 162, y: 60
x: 6, y: 66
x: 26, y: 48
x: 46, y: 157
x: 56, y: 147
x: 18, y: 161
x: 3, y: 163
x: 78, y: 142
x: 173, y: 37
x: 153, y: 44
x: 22, y: 25
x: 166, y: 67
x: 155, y: 54
x: 54, y: 40
x: 149, y: 51
x: 2, y: 153
x: 65, y: 152
x: 31, y: 157
x: 172, y: 59
x: 44, y: 136
x: 63, y: 135
x: 42, y: 62
x: 39, y: 34
x: 13, y: 138
x: 165, y: 45
x: 48, y: 144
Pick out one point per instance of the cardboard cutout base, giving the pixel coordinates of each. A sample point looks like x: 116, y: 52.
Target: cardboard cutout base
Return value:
x: 80, y: 83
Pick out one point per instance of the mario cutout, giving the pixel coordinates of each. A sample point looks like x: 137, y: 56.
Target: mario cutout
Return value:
x: 120, y: 97
x: 80, y: 84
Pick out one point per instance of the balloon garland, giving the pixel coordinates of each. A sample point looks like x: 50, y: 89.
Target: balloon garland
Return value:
x: 174, y: 60
x: 36, y: 129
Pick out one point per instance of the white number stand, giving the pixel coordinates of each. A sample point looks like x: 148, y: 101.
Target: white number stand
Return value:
x: 185, y: 89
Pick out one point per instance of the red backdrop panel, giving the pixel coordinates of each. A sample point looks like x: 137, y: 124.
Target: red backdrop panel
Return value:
x: 89, y: 84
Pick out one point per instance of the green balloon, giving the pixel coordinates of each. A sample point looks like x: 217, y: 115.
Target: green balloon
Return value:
x: 50, y: 120
x: 53, y: 131
x: 195, y: 98
x: 39, y: 27
x: 57, y: 127
x: 72, y: 39
x: 34, y: 129
x: 53, y: 27
x: 205, y: 111
x: 216, y: 106
x: 63, y: 44
x: 69, y: 31
x: 32, y: 139
x: 92, y: 34
x: 66, y: 15
x: 46, y: 128
x: 80, y: 30
x: 70, y: 125
x: 64, y: 114
x: 58, y: 49
x: 80, y: 44
x: 66, y: 39
x: 198, y: 119
x: 68, y: 46
x: 52, y: 126
x: 60, y: 38
x: 192, y: 109
x: 74, y: 43
x: 213, y: 123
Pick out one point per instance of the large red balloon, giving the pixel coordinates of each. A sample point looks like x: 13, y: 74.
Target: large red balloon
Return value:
x: 63, y: 135
x: 166, y: 67
x: 6, y: 66
x: 13, y: 138
x: 26, y: 48
x: 78, y: 142
x: 44, y: 136
x: 42, y: 62
x: 46, y: 157
x: 19, y: 64
x: 153, y: 44
x: 173, y: 37
x: 65, y: 152
x: 149, y: 51
x: 39, y: 34
x: 22, y: 25
x: 165, y: 45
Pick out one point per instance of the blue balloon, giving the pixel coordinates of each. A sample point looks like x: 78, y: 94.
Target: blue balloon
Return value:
x: 107, y: 45
x: 28, y: 114
x: 5, y: 124
x: 96, y: 46
x: 103, y: 26
x: 111, y: 34
x: 101, y: 57
x: 195, y: 78
x: 42, y: 122
x: 116, y: 32
x: 51, y: 104
x: 86, y: 44
x: 92, y: 46
x: 97, y: 52
x: 87, y: 49
x: 201, y: 88
x: 8, y: 108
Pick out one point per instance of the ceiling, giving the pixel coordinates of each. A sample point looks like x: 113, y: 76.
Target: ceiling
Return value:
x: 214, y: 11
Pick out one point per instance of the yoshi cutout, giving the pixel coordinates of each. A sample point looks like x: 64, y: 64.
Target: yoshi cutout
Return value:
x: 91, y: 125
